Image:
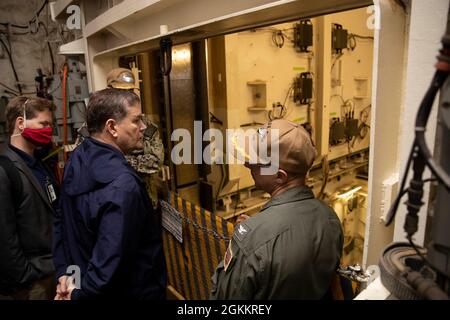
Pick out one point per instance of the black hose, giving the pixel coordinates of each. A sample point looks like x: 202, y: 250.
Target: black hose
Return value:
x: 40, y: 10
x: 165, y: 45
x: 415, y: 194
x: 421, y: 122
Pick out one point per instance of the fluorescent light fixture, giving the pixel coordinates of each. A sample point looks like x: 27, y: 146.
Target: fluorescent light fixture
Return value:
x: 347, y: 195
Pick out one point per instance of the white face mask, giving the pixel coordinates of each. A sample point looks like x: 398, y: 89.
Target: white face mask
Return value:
x: 24, y: 118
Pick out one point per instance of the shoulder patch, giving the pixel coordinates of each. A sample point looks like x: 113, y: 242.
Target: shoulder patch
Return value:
x: 228, y: 257
x: 241, y: 231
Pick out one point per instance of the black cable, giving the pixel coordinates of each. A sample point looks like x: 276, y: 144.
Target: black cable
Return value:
x: 361, y: 37
x: 165, y: 59
x: 403, y: 190
x: 10, y: 92
x: 287, y: 36
x: 9, y: 88
x: 338, y: 56
x: 283, y: 110
x: 48, y: 43
x: 278, y: 35
x: 40, y: 10
x: 421, y: 122
x: 6, y: 24
x: 20, y: 33
x: 352, y: 40
x: 30, y: 21
x: 49, y: 47
x: 8, y: 51
x: 287, y: 95
x: 51, y: 57
x: 419, y: 142
x: 18, y: 26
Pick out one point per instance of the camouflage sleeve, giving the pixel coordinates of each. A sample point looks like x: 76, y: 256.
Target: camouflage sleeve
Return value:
x: 156, y: 148
x: 235, y: 277
x: 152, y: 158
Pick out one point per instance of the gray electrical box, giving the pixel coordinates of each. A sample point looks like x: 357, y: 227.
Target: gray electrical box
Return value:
x: 77, y: 93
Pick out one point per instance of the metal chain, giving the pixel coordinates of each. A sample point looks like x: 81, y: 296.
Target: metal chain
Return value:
x: 212, y: 232
x: 195, y: 224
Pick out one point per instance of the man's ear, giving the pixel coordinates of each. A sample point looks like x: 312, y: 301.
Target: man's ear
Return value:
x: 111, y: 127
x: 20, y: 123
x: 282, y: 176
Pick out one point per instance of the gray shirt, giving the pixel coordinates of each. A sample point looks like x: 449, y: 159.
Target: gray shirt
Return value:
x: 289, y: 250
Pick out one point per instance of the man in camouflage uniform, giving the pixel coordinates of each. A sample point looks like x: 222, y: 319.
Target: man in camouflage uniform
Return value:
x: 149, y: 161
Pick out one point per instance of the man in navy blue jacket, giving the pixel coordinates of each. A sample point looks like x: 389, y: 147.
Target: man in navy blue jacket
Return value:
x: 105, y: 225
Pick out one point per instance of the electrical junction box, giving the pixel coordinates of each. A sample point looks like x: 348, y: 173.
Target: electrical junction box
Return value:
x: 338, y: 38
x: 303, y: 35
x: 337, y: 131
x: 303, y: 88
x: 351, y: 128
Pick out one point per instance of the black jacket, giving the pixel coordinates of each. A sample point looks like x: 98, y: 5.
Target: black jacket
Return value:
x: 25, y: 234
x: 107, y: 227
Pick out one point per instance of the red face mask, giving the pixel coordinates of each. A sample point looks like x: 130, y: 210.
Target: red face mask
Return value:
x: 39, y: 137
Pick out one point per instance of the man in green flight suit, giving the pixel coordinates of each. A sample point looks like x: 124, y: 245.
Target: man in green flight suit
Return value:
x: 292, y: 247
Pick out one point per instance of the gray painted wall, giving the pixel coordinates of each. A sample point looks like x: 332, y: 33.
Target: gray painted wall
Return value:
x: 29, y: 51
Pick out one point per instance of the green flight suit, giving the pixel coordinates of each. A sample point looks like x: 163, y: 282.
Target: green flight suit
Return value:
x: 289, y: 250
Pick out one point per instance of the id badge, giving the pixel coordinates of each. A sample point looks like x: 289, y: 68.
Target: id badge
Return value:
x: 51, y: 192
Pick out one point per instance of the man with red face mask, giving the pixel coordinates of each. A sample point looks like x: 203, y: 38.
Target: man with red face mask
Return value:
x: 28, y: 192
